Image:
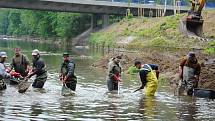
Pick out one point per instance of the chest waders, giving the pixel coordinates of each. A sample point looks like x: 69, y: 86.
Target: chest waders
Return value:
x: 20, y: 67
x: 111, y: 82
x: 2, y: 83
x: 152, y: 81
x: 71, y: 80
x: 40, y: 80
x: 189, y: 81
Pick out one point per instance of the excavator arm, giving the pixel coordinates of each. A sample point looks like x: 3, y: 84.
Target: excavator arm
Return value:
x: 197, y: 5
x: 201, y: 5
x: 193, y: 24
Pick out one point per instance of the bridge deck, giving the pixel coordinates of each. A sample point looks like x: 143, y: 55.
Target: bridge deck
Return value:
x: 86, y: 6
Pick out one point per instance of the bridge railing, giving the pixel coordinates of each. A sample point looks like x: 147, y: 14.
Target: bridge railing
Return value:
x: 182, y: 3
x: 124, y: 3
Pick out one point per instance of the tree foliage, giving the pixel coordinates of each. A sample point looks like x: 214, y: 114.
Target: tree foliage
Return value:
x: 42, y: 23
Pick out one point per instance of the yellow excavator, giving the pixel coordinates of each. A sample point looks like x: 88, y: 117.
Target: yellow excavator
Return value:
x: 194, y: 21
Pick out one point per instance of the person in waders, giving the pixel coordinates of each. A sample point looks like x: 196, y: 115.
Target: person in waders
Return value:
x: 39, y: 69
x: 3, y: 74
x: 114, y: 73
x: 20, y: 63
x: 149, y: 77
x: 189, y: 73
x: 67, y: 72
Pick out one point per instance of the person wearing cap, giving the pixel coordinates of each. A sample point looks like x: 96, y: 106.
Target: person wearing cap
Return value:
x: 189, y: 73
x: 149, y: 74
x: 67, y: 72
x: 114, y: 73
x: 39, y: 69
x: 3, y: 74
x: 20, y: 63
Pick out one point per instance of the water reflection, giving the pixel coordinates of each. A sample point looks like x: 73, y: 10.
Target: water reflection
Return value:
x: 92, y: 102
x: 147, y: 107
x: 36, y: 110
x: 2, y: 110
x: 113, y: 108
x: 187, y: 109
x: 66, y: 106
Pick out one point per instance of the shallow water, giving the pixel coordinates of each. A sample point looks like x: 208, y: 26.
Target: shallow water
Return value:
x: 92, y: 101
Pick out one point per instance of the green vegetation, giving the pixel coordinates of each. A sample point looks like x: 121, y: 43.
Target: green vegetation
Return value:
x: 102, y: 39
x: 42, y: 24
x: 147, y: 32
x: 160, y: 32
x: 211, y: 48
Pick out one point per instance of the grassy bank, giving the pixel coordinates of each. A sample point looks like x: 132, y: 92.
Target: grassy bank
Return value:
x: 160, y: 42
x: 138, y: 33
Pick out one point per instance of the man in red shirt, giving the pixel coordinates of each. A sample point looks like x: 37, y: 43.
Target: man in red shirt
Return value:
x: 189, y: 73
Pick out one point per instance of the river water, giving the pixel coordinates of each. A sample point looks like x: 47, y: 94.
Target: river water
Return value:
x: 92, y: 101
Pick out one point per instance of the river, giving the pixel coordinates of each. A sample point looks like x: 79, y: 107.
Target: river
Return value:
x: 92, y: 101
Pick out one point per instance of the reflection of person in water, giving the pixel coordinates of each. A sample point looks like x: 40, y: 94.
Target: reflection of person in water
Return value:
x: 187, y: 110
x: 2, y: 109
x: 36, y: 109
x: 112, y: 110
x: 147, y: 107
x: 66, y: 106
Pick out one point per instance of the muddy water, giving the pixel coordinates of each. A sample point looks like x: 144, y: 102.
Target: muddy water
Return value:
x: 92, y: 100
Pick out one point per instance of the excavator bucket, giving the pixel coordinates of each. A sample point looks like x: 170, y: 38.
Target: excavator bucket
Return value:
x: 195, y: 26
x: 191, y: 27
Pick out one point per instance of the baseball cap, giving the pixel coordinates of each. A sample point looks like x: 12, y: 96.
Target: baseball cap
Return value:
x: 65, y: 54
x: 3, y: 54
x: 35, y: 52
x: 191, y: 54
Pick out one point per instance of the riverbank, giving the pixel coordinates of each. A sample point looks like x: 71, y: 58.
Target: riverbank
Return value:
x: 168, y: 62
x: 159, y: 41
x: 137, y: 33
x: 32, y: 39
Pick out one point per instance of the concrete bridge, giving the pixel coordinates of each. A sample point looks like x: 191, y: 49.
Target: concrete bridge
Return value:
x: 100, y: 9
x: 86, y: 6
x: 95, y: 7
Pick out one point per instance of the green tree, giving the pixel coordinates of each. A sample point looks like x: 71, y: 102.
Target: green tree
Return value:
x: 14, y: 22
x: 4, y: 21
x: 42, y: 23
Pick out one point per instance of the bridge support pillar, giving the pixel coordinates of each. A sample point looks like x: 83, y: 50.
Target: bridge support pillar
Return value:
x: 105, y: 20
x: 94, y: 19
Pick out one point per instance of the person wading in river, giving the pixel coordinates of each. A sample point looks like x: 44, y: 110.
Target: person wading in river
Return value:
x: 149, y: 77
x: 67, y: 72
x: 20, y: 63
x: 39, y: 69
x: 189, y: 73
x: 3, y: 73
x: 114, y: 73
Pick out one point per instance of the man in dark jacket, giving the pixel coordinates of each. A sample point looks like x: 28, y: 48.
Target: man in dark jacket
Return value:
x: 39, y: 69
x: 67, y: 74
x: 114, y: 73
